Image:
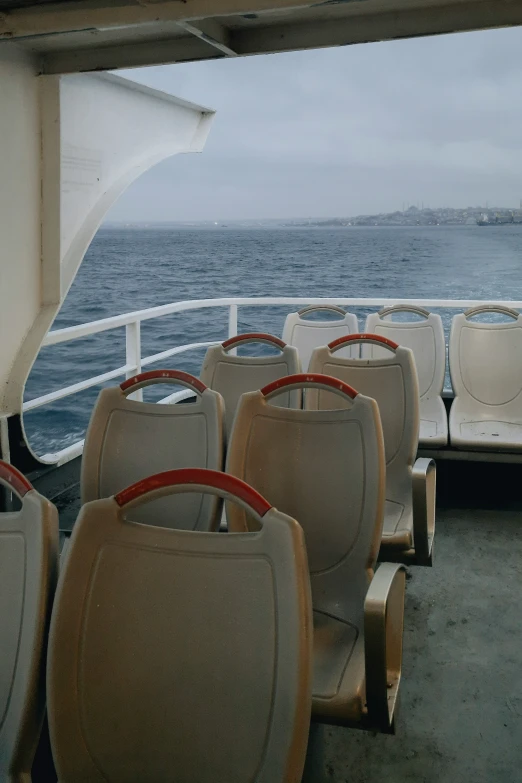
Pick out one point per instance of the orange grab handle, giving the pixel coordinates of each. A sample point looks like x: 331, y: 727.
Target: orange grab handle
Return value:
x: 163, y: 376
x: 198, y: 476
x: 363, y: 337
x: 304, y: 379
x: 16, y: 480
x: 252, y: 337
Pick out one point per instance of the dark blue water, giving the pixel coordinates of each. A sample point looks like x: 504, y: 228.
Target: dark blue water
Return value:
x: 129, y: 269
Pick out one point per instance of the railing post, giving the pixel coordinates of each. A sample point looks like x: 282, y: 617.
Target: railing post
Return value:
x: 133, y: 354
x: 232, y: 325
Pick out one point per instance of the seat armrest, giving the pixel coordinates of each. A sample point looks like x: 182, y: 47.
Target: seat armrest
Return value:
x: 383, y: 629
x: 423, y: 485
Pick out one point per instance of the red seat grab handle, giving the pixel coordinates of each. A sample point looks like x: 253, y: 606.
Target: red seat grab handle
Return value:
x: 253, y: 337
x: 309, y: 379
x: 362, y: 337
x: 201, y: 477
x: 16, y: 480
x: 162, y: 376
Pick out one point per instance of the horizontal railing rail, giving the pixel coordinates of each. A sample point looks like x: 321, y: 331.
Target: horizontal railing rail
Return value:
x: 135, y: 362
x: 105, y: 324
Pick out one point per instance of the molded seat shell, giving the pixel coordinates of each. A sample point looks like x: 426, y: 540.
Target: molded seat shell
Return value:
x: 486, y: 374
x: 128, y: 440
x: 325, y: 468
x: 28, y: 572
x: 180, y: 656
x: 426, y: 339
x: 307, y: 335
x: 392, y: 382
x: 232, y: 376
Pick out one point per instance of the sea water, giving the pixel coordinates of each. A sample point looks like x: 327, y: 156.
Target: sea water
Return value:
x: 133, y: 268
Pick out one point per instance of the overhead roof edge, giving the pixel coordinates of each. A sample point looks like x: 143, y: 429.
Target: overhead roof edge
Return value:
x: 93, y: 35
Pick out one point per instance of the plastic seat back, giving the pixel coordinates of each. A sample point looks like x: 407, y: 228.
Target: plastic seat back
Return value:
x: 306, y: 335
x: 128, y: 440
x: 426, y: 339
x: 325, y: 468
x: 232, y: 375
x: 178, y: 655
x: 392, y: 382
x: 486, y: 374
x: 28, y: 569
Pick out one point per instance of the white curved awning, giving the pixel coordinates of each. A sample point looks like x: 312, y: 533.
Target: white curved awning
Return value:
x: 110, y: 130
x: 72, y: 145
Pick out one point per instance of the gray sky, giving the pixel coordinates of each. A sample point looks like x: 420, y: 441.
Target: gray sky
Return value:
x: 344, y: 131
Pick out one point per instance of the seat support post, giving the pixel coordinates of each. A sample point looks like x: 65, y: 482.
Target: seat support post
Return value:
x: 423, y: 488
x: 383, y: 630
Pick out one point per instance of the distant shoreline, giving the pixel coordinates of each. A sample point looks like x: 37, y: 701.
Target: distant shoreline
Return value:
x: 410, y: 218
x: 231, y: 226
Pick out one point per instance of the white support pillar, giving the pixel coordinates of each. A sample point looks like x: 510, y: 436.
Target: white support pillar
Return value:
x: 20, y: 219
x: 71, y: 145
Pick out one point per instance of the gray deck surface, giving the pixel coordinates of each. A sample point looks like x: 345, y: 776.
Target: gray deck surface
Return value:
x: 460, y: 710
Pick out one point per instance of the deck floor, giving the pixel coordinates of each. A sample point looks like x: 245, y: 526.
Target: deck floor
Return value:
x: 460, y: 710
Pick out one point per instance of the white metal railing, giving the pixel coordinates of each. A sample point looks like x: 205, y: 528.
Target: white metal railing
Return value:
x: 134, y: 362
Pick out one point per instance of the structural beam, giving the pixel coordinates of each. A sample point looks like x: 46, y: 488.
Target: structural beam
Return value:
x: 210, y: 40
x: 130, y: 55
x: 365, y: 28
x: 206, y: 41
x: 213, y: 33
x: 48, y: 19
x: 92, y: 15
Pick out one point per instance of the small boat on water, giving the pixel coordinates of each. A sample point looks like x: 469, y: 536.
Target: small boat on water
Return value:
x: 485, y: 221
x: 370, y: 521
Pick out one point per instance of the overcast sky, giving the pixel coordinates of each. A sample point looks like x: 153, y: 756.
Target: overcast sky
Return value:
x: 344, y: 131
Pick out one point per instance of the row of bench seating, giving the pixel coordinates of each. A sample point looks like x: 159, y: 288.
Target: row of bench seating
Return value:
x: 328, y: 466
x: 484, y: 363
x: 178, y: 655
x: 169, y: 644
x: 301, y: 450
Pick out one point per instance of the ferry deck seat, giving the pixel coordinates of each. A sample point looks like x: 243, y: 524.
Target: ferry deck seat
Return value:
x: 306, y: 334
x: 426, y: 339
x: 232, y: 375
x: 486, y: 374
x: 177, y: 655
x: 409, y: 512
x: 128, y: 440
x: 28, y: 572
x: 326, y: 469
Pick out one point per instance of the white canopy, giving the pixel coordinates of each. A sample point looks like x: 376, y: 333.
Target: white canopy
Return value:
x: 71, y: 145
